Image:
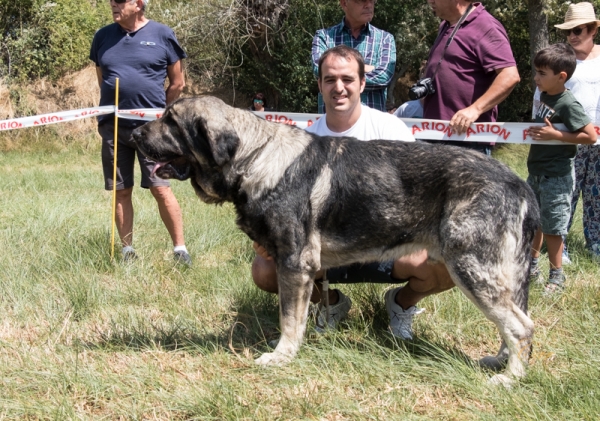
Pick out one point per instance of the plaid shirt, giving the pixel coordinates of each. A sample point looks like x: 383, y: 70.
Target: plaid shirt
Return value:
x: 377, y: 47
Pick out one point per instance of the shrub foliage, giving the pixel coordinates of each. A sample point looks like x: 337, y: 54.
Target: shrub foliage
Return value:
x: 47, y: 39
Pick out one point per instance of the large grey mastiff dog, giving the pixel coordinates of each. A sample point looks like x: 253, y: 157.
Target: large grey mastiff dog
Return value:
x: 320, y: 202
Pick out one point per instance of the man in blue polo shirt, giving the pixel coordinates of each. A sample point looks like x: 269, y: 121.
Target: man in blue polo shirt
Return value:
x: 142, y: 54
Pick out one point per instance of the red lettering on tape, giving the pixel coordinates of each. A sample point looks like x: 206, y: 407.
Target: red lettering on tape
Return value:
x: 10, y: 124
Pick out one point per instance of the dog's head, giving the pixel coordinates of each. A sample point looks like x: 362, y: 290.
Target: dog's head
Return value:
x: 193, y: 139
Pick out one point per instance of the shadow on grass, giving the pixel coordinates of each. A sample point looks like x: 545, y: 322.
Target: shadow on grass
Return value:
x: 257, y: 324
x: 174, y: 337
x: 254, y: 323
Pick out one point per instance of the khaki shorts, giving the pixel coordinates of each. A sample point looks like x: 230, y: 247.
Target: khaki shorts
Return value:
x: 375, y: 273
x: 126, y: 160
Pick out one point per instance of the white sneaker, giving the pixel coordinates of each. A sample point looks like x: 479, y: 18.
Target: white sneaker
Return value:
x: 596, y: 253
x: 566, y: 260
x: 337, y: 312
x: 400, y: 320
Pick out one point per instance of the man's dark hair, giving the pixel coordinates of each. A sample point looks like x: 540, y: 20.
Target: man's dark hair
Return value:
x: 558, y: 57
x: 345, y: 52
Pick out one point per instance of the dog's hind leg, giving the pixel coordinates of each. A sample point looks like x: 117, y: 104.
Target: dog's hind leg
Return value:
x: 516, y: 329
x: 520, y: 298
x: 493, y: 292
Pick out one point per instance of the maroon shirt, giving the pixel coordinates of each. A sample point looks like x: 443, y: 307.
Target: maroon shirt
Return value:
x: 479, y: 47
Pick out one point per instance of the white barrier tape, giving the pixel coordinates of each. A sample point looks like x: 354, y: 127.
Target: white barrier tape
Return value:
x: 421, y: 128
x: 439, y: 129
x: 145, y: 114
x: 53, y: 118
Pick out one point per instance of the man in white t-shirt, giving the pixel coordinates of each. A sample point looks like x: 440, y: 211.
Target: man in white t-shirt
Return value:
x: 341, y: 80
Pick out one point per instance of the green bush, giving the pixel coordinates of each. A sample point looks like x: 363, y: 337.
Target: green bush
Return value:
x: 48, y: 39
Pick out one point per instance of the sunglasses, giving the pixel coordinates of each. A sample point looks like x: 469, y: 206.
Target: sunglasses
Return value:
x: 258, y: 101
x: 119, y: 1
x: 576, y: 31
x: 363, y: 2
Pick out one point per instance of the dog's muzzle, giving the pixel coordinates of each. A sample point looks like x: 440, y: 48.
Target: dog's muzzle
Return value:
x: 178, y: 168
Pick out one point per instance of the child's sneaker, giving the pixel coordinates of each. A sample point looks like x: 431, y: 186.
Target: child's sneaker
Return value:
x: 337, y: 312
x: 400, y: 320
x: 596, y: 253
x: 535, y: 275
x: 566, y: 260
x: 556, y: 283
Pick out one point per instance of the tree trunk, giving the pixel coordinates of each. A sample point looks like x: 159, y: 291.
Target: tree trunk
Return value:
x: 538, y: 28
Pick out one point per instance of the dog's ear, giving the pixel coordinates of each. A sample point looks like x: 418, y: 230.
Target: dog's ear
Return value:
x: 222, y: 138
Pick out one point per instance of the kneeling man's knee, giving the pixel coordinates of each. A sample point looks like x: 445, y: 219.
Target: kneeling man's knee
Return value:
x: 264, y: 274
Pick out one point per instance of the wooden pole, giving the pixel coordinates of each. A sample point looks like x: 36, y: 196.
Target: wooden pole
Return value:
x: 114, y: 192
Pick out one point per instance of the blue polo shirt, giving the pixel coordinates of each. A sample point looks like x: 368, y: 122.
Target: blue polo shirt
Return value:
x: 139, y: 59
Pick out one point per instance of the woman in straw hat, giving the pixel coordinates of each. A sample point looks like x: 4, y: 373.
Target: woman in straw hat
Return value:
x: 580, y: 28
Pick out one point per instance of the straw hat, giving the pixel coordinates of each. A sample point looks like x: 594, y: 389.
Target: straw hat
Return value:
x: 579, y: 14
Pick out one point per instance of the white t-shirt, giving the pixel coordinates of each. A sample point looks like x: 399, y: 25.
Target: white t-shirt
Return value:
x: 585, y: 86
x: 372, y: 124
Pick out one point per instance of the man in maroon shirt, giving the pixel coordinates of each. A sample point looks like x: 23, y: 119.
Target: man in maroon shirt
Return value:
x: 477, y: 72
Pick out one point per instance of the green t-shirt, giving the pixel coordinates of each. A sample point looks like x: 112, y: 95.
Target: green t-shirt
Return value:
x: 556, y: 160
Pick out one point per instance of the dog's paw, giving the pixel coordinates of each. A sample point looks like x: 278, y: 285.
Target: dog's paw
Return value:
x: 502, y: 380
x: 272, y: 359
x: 492, y: 363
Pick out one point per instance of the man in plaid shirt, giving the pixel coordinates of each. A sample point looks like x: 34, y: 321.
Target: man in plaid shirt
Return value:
x: 377, y: 47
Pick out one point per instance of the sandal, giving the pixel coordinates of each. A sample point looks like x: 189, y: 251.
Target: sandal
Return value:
x: 555, y: 285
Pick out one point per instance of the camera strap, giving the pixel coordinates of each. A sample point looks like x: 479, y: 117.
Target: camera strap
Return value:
x: 458, y: 24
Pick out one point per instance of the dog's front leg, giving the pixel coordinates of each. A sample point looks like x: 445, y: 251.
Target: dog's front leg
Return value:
x: 295, y: 289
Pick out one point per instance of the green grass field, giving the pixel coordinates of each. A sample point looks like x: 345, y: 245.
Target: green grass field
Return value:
x: 86, y: 337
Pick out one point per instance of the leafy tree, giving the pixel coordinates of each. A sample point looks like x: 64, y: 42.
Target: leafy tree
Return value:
x: 41, y: 38
x: 278, y: 33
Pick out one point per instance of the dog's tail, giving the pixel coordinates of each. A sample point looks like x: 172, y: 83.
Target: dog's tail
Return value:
x: 530, y: 220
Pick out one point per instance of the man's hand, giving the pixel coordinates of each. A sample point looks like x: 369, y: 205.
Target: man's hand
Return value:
x: 463, y: 119
x: 369, y: 68
x: 261, y: 251
x: 547, y: 132
x: 505, y: 81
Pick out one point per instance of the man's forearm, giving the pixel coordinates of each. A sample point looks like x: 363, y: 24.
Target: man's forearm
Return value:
x: 173, y: 92
x: 505, y: 82
x: 176, y: 81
